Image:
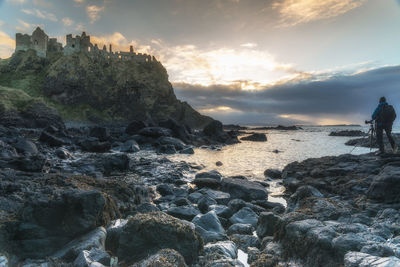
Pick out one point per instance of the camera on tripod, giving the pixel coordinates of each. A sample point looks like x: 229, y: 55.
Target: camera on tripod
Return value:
x: 369, y: 122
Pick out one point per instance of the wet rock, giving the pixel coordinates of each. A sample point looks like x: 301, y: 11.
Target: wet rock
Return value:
x: 92, y: 144
x: 130, y: 146
x: 207, y: 182
x: 30, y: 164
x: 358, y: 259
x: 256, y: 137
x: 221, y: 197
x: 178, y: 130
x: 101, y: 133
x: 244, y: 189
x: 226, y: 249
x: 183, y: 212
x: 210, y: 174
x: 219, y: 163
x: 167, y: 149
x: 195, y: 197
x: 241, y: 229
x: 214, y: 128
x: 187, y: 150
x: 164, y: 257
x: 94, y: 239
x: 49, y: 224
x: 115, y: 162
x: 92, y: 257
x: 273, y: 173
x: 386, y: 186
x: 7, y: 151
x: 145, y: 234
x: 204, y: 204
x: 176, y: 143
x: 134, y: 127
x: 155, y: 132
x: 63, y: 153
x: 245, y: 241
x: 25, y: 147
x: 114, y: 231
x: 165, y: 189
x: 222, y: 211
x: 245, y: 216
x: 209, y: 227
x: 267, y: 224
x: 146, y: 208
x: 52, y: 140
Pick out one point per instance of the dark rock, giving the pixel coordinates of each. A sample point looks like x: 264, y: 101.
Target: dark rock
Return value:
x: 25, y: 147
x: 178, y: 130
x: 245, y: 216
x: 256, y: 137
x: 101, y: 133
x: 244, y: 189
x: 51, y: 140
x: 94, y: 239
x: 145, y: 234
x: 7, y: 151
x: 221, y: 197
x: 164, y: 258
x: 219, y: 163
x: 226, y: 249
x: 183, y: 212
x: 187, y: 150
x: 164, y: 189
x: 267, y: 224
x: 63, y: 153
x: 272, y: 173
x: 115, y: 162
x: 130, y: 146
x: 245, y: 241
x: 355, y: 259
x: 146, y: 208
x: 49, y: 224
x: 349, y: 133
x: 94, y: 145
x: 209, y: 227
x: 155, y: 132
x: 386, y: 186
x: 92, y: 257
x: 241, y: 229
x: 31, y: 164
x: 167, y: 149
x: 214, y: 128
x: 204, y: 204
x: 134, y: 127
x: 167, y: 140
x: 210, y: 174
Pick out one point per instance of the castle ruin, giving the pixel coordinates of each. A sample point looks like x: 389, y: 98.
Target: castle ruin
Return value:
x: 42, y: 44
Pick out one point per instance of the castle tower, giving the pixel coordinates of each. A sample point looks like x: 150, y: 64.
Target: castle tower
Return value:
x: 110, y: 48
x: 39, y: 42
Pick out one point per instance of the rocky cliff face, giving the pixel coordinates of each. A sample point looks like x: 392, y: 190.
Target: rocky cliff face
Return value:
x: 124, y: 90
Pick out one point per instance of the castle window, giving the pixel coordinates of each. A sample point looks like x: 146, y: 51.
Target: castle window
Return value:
x: 36, y: 42
x: 73, y: 46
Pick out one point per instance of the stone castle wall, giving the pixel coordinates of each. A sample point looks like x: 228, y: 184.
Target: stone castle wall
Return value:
x: 42, y: 44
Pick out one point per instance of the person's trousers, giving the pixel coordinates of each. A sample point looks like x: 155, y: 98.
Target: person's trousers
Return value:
x: 379, y: 136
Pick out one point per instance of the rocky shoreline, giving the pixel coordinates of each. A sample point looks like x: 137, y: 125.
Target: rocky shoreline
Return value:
x: 95, y: 196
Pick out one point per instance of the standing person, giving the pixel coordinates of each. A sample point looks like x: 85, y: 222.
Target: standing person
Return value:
x: 384, y: 115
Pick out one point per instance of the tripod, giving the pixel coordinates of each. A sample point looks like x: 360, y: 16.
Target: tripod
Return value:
x: 371, y: 134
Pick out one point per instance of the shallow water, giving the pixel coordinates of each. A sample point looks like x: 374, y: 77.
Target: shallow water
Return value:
x: 251, y: 159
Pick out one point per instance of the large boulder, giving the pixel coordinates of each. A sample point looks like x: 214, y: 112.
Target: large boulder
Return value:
x: 25, y: 147
x: 178, y: 130
x: 187, y: 212
x: 244, y: 189
x: 155, y: 132
x: 358, y: 259
x: 146, y: 234
x: 267, y: 224
x: 209, y: 227
x: 93, y: 144
x: 214, y: 128
x: 7, y: 151
x: 47, y: 224
x: 245, y: 216
x: 52, y: 140
x: 386, y: 186
x: 167, y: 140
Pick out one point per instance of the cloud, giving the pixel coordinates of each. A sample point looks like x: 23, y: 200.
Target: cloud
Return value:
x: 79, y: 1
x: 7, y: 45
x: 25, y: 26
x: 340, y: 98
x: 67, y: 21
x: 295, y: 12
x: 93, y: 12
x: 40, y: 14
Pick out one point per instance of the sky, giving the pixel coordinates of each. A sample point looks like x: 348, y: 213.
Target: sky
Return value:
x: 243, y: 61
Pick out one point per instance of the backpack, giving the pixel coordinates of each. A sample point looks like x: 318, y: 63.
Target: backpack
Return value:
x: 387, y: 114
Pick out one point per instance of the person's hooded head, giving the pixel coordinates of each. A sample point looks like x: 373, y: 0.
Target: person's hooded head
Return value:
x: 382, y: 99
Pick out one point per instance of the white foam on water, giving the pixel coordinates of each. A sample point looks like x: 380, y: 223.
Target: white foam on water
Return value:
x: 242, y: 257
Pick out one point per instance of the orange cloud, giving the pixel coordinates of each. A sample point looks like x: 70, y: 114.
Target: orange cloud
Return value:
x: 295, y: 12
